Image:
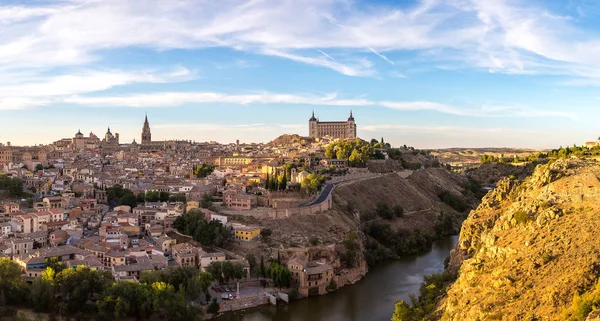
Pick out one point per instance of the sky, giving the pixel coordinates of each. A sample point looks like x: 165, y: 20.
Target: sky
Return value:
x: 430, y: 73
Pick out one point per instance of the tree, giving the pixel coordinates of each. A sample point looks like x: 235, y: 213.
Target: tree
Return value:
x: 212, y: 233
x: 313, y: 182
x: 398, y: 211
x: 280, y: 274
x: 117, y: 195
x: 206, y: 201
x: 163, y: 196
x: 253, y: 264
x: 213, y: 308
x: 383, y: 210
x: 329, y: 151
x: 152, y: 196
x: 205, y: 279
x: 216, y: 271
x: 179, y: 197
x: 41, y: 296
x: 11, y: 282
x: 12, y: 185
x: 203, y: 170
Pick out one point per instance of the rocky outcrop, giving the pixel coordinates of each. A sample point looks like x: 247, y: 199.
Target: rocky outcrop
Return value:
x: 528, y: 247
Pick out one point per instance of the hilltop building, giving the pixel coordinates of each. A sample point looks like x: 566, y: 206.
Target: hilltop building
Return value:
x: 334, y: 129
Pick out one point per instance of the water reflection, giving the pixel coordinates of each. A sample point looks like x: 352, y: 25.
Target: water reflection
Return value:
x: 371, y: 299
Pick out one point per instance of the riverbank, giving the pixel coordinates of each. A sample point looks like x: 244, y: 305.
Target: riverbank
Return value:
x: 370, y: 299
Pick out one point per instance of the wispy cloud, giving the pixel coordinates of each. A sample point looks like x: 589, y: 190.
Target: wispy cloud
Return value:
x: 173, y: 99
x: 356, y: 69
x: 499, y: 36
x: 37, y: 90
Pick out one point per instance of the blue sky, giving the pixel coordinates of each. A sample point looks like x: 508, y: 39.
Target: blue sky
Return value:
x: 432, y: 73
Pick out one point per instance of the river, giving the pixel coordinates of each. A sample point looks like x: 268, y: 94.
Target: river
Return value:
x: 371, y: 299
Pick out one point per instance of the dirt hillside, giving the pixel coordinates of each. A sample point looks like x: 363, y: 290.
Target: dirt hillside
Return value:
x: 417, y: 194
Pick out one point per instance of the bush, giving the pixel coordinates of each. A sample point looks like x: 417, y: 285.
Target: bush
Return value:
x: 582, y: 305
x: 383, y: 210
x: 521, y: 217
x: 213, y: 307
x: 266, y: 232
x: 453, y: 201
x: 398, y: 211
x: 431, y: 289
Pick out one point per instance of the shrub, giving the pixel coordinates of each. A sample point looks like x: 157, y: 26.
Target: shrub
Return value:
x: 453, y: 201
x: 521, y: 217
x: 398, y: 211
x: 383, y: 210
x: 313, y: 240
x: 213, y: 307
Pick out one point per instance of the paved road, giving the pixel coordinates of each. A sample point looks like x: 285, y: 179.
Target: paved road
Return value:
x: 324, y: 194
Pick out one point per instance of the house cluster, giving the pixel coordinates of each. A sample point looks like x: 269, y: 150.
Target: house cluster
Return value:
x: 73, y: 219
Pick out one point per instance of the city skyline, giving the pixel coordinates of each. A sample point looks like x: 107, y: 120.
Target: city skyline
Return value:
x: 430, y: 74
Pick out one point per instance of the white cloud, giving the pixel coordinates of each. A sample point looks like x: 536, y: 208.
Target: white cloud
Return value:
x: 173, y: 99
x: 500, y: 36
x: 38, y: 90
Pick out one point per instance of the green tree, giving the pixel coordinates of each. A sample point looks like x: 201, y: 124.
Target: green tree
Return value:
x: 280, y: 274
x: 216, y: 271
x: 206, y: 201
x: 313, y: 182
x: 41, y: 295
x: 383, y: 210
x: 203, y: 170
x: 11, y: 282
x: 205, y: 279
x: 163, y: 196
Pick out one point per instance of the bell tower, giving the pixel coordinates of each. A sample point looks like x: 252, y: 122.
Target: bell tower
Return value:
x: 146, y: 136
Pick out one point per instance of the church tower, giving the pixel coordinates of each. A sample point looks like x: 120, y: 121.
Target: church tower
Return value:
x: 146, y: 136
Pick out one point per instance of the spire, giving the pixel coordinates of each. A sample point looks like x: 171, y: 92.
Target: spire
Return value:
x: 146, y: 118
x: 351, y: 118
x: 108, y: 131
x: 313, y: 116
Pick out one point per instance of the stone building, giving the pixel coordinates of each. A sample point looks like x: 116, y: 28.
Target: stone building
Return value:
x: 333, y: 129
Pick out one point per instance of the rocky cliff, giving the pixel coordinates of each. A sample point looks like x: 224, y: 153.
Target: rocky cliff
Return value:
x: 531, y: 250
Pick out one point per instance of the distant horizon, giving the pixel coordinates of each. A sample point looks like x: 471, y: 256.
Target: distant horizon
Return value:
x: 424, y: 73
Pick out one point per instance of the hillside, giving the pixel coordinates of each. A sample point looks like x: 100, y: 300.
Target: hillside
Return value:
x: 529, y: 248
x: 288, y: 140
x: 473, y: 155
x: 419, y: 192
x: 490, y: 173
x: 418, y: 195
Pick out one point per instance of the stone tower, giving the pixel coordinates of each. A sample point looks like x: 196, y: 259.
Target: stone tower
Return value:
x: 313, y: 126
x: 146, y: 136
x: 351, y: 127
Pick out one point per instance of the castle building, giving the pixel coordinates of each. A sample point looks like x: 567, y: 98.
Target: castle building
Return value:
x: 334, y: 129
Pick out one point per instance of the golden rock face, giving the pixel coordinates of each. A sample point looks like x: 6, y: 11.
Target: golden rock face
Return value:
x: 529, y: 247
